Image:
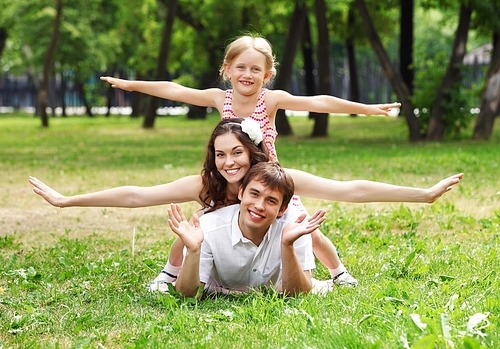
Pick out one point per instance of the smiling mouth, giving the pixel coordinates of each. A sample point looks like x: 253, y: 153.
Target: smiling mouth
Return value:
x: 232, y: 172
x: 247, y: 83
x: 255, y: 215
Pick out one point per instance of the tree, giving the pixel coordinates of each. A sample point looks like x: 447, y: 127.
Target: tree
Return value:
x: 406, y: 43
x: 321, y: 119
x: 452, y: 76
x: 490, y: 98
x: 488, y: 22
x: 351, y: 57
x: 3, y: 39
x: 394, y: 76
x: 48, y: 63
x: 282, y: 82
x: 161, y: 68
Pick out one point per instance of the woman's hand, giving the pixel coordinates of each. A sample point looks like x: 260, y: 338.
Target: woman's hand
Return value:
x: 443, y: 186
x: 46, y: 192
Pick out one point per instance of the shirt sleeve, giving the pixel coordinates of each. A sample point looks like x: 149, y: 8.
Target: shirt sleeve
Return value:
x: 303, y: 245
x: 206, y: 262
x: 304, y: 251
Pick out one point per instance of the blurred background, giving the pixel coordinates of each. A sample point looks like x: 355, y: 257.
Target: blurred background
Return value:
x: 439, y: 58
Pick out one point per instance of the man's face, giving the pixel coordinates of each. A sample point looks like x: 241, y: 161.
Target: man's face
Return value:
x: 259, y: 207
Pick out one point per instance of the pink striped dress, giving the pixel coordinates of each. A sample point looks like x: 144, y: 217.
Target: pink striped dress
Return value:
x: 268, y: 130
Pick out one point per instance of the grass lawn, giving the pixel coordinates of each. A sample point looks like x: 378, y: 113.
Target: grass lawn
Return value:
x: 75, y: 277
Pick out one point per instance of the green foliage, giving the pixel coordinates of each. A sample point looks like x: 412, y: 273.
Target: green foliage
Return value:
x: 457, y: 111
x: 431, y: 59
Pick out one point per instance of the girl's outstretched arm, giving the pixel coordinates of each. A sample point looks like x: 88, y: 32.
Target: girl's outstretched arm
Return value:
x: 182, y: 190
x: 169, y: 90
x: 360, y: 191
x: 325, y: 104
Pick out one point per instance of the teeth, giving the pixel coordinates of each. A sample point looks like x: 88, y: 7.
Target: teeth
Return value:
x: 231, y: 172
x: 254, y: 215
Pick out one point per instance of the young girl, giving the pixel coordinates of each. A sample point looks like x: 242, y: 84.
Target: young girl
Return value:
x: 231, y: 151
x: 249, y: 66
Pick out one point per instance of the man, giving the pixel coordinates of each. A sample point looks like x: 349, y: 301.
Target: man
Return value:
x: 258, y: 243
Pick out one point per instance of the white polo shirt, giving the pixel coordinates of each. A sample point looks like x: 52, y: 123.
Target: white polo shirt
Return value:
x: 229, y: 261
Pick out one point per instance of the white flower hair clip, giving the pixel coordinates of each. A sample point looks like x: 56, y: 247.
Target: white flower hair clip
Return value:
x: 252, y: 129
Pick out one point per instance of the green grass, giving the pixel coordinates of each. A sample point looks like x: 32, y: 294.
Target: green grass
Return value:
x: 74, y: 278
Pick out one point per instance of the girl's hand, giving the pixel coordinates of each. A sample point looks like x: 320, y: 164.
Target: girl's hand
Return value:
x: 381, y: 109
x: 294, y: 230
x: 117, y: 83
x: 46, y: 192
x: 191, y: 235
x: 443, y: 186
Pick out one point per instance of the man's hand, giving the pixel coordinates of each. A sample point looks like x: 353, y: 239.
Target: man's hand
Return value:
x: 191, y: 235
x: 303, y: 225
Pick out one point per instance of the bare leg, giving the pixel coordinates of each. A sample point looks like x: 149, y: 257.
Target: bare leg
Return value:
x: 171, y: 269
x: 176, y: 255
x: 324, y: 250
x: 327, y: 254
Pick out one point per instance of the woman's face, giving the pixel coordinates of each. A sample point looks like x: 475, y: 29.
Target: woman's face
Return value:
x: 232, y: 159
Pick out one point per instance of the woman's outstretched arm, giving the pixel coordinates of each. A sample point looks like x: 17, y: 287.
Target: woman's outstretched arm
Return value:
x: 360, y: 191
x: 186, y: 189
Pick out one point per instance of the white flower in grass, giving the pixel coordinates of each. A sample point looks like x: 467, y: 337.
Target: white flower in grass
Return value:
x: 252, y: 129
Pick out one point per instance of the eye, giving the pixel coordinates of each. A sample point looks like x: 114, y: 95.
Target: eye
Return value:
x: 256, y: 70
x: 219, y: 155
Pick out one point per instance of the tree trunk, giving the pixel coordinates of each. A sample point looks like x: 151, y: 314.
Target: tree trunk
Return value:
x: 3, y: 39
x: 490, y: 97
x: 83, y: 97
x: 161, y: 68
x: 406, y: 43
x: 393, y: 75
x: 351, y: 59
x: 48, y: 62
x: 307, y: 55
x: 321, y: 119
x: 282, y: 81
x: 208, y: 79
x: 437, y: 125
x: 63, y: 94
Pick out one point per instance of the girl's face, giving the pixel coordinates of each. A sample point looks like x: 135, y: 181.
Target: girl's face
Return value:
x: 248, y: 72
x: 232, y: 159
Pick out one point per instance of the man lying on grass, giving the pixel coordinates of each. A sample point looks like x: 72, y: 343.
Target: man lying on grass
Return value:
x: 254, y: 244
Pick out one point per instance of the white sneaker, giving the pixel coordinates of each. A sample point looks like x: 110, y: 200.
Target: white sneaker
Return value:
x: 158, y: 286
x: 345, y: 279
x: 321, y: 286
x: 160, y: 282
